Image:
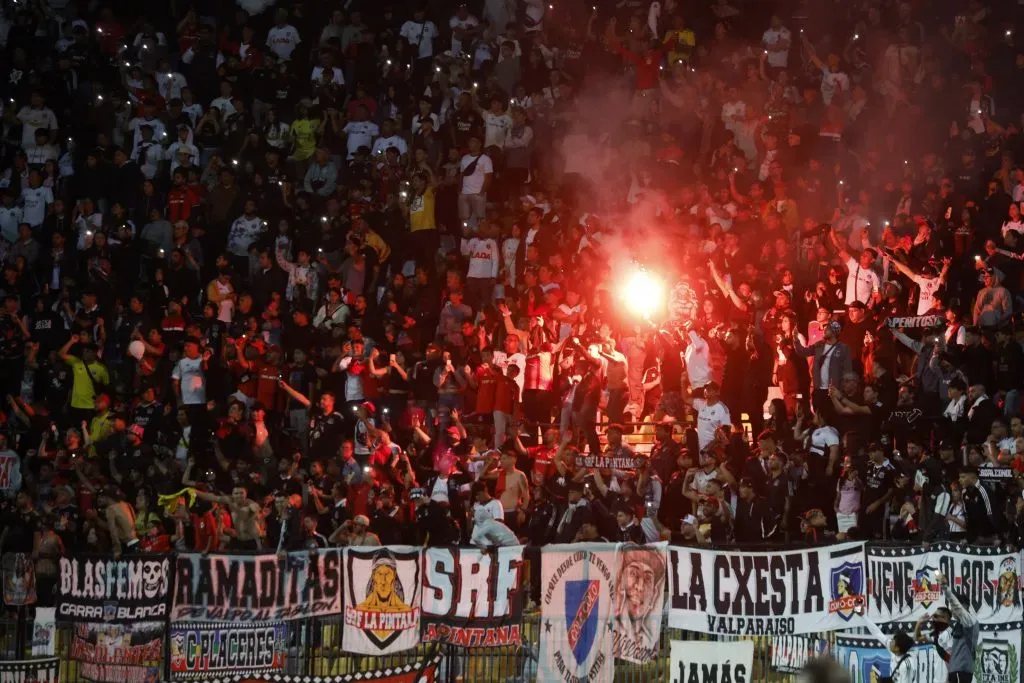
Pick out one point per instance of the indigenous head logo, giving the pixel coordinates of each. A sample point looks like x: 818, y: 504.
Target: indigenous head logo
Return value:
x: 847, y: 583
x: 581, y: 603
x: 384, y: 613
x: 1006, y: 590
x: 926, y: 587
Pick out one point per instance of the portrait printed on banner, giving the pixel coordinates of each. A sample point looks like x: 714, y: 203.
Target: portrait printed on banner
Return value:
x: 639, y: 601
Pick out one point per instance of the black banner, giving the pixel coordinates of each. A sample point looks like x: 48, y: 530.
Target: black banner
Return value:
x: 30, y: 671
x: 199, y: 651
x: 96, y: 589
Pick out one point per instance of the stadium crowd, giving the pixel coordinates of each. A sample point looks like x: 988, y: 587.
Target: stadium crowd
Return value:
x: 284, y: 275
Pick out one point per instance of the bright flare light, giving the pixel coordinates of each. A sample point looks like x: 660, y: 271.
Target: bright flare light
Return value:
x: 643, y: 293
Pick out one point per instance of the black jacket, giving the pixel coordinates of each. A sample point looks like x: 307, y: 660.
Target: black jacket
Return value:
x: 631, y: 534
x: 580, y: 515
x: 982, y: 512
x: 755, y: 521
x: 979, y: 422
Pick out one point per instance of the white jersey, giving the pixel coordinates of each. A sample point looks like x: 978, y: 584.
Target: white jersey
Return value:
x: 709, y: 419
x: 484, y: 257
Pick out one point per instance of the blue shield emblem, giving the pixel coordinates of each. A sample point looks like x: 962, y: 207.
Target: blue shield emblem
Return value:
x: 874, y: 667
x: 847, y: 583
x: 581, y: 603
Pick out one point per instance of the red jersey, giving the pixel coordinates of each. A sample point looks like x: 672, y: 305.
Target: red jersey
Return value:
x: 204, y: 528
x: 161, y: 543
x: 646, y: 67
x: 180, y: 203
x: 487, y: 386
x: 246, y: 378
x: 543, y: 465
x: 111, y: 36
x: 266, y: 383
x: 506, y: 395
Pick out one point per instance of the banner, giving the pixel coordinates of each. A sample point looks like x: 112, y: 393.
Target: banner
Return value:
x: 712, y: 662
x: 993, y: 476
x: 44, y: 629
x: 105, y: 589
x: 997, y: 657
x: 867, y: 660
x: 640, y: 574
x: 19, y: 579
x: 10, y: 475
x: 610, y: 462
x: 30, y: 670
x: 903, y: 582
x: 382, y: 600
x: 200, y: 650
x: 916, y: 322
x: 119, y: 653
x: 577, y: 613
x: 473, y: 598
x: 778, y: 593
x: 417, y: 672
x: 790, y: 654
x: 245, y: 588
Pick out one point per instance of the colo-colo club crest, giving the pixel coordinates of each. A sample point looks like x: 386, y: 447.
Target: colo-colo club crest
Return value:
x: 847, y: 582
x: 926, y: 587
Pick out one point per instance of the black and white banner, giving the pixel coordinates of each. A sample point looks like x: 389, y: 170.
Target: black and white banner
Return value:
x: 712, y: 662
x: 790, y: 654
x: 245, y: 588
x: 997, y: 658
x: 917, y: 323
x: 903, y: 583
x: 95, y: 589
x: 640, y: 577
x: 44, y: 632
x: 779, y: 593
x: 30, y: 670
x: 382, y: 600
x: 473, y: 598
x: 199, y: 651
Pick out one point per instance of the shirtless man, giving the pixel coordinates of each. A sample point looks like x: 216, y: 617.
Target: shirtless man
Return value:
x: 247, y: 532
x: 513, y: 489
x: 119, y: 520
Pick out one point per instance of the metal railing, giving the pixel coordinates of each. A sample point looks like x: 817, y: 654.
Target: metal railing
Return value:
x: 315, y: 650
